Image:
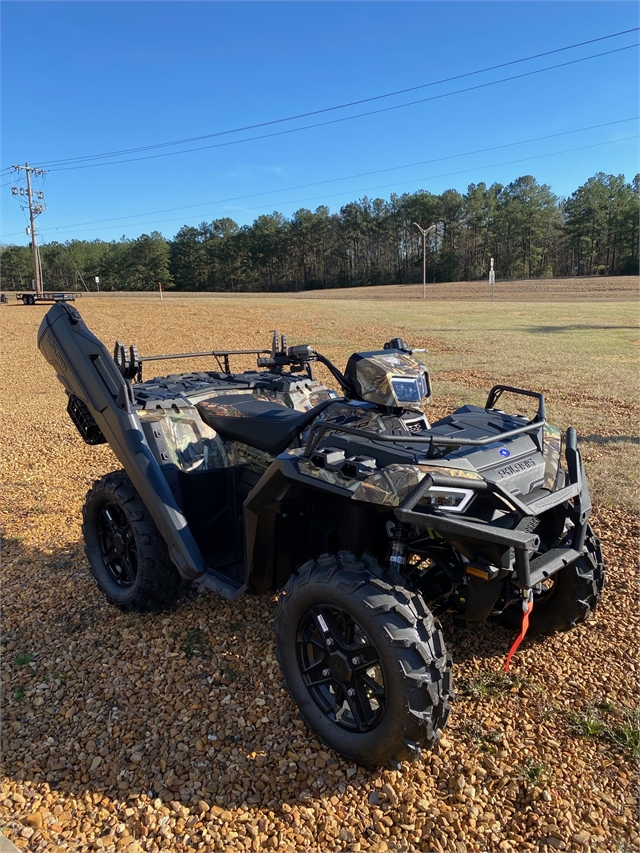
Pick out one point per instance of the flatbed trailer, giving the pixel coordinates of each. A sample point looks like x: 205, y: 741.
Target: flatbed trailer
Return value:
x: 31, y: 298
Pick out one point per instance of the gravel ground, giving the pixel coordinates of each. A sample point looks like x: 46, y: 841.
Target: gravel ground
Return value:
x: 172, y: 731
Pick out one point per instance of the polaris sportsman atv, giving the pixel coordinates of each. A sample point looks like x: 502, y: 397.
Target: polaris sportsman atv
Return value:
x: 370, y: 520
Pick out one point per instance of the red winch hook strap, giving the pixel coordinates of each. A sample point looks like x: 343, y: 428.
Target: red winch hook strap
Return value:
x: 527, y: 607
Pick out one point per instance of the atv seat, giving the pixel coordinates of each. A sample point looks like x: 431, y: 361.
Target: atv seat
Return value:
x: 259, y: 423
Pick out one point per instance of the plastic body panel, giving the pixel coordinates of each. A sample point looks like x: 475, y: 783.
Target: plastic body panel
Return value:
x: 87, y: 371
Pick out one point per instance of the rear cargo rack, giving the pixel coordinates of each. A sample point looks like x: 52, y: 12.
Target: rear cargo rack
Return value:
x: 130, y: 363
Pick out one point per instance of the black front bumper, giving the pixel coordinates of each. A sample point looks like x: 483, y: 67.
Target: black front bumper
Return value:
x: 529, y: 568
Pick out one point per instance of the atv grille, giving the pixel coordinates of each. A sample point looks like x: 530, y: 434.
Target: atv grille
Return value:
x: 415, y: 426
x: 84, y: 422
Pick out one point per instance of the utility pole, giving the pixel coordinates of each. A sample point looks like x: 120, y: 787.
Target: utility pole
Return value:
x: 35, y: 208
x: 424, y: 231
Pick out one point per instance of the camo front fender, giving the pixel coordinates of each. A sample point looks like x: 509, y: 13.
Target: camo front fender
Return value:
x: 290, y: 517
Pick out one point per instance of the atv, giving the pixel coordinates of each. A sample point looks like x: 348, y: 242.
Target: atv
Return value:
x: 371, y: 521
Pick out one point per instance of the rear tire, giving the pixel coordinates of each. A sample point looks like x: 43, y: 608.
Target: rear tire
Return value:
x: 127, y: 555
x: 575, y: 593
x: 376, y: 685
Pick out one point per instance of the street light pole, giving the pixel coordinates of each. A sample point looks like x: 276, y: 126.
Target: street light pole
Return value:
x: 424, y: 231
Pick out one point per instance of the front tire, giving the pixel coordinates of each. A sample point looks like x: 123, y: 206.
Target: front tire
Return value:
x: 127, y: 555
x: 573, y: 595
x: 364, y: 660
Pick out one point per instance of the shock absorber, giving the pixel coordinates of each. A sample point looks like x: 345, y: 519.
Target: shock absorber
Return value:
x: 399, y: 542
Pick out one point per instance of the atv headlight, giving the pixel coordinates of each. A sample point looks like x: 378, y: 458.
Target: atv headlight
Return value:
x: 448, y: 500
x: 409, y: 390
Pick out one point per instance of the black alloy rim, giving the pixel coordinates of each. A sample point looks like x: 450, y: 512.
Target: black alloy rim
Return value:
x: 117, y: 545
x: 341, y: 668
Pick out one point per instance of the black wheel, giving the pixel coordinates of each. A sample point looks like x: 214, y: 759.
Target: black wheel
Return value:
x: 566, y: 598
x: 364, y: 660
x: 127, y: 556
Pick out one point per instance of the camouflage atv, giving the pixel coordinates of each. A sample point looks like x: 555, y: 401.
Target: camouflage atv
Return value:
x: 370, y: 520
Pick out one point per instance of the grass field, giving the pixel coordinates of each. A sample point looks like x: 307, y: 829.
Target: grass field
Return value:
x: 125, y: 732
x: 574, y: 289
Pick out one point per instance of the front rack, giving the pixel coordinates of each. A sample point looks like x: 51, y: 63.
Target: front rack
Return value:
x: 318, y: 430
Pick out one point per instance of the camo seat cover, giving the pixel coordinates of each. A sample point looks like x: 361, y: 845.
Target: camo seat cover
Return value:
x: 259, y: 423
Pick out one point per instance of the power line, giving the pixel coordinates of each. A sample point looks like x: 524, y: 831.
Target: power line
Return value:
x: 346, y: 118
x: 340, y: 106
x: 356, y: 175
x: 380, y: 186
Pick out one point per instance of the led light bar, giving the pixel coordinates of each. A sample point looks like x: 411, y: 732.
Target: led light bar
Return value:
x: 448, y: 500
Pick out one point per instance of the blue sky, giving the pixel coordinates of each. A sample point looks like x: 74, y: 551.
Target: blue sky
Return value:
x: 84, y: 78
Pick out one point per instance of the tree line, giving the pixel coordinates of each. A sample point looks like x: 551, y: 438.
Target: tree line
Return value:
x: 529, y: 231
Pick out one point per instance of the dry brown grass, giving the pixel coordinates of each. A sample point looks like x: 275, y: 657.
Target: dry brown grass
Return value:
x: 574, y: 289
x: 512, y: 774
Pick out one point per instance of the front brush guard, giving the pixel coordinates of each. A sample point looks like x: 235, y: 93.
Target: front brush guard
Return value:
x: 530, y: 570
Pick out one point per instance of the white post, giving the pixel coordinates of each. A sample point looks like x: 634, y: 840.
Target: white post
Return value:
x: 492, y: 280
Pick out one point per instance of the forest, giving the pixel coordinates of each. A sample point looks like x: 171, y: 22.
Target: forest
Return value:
x: 529, y: 231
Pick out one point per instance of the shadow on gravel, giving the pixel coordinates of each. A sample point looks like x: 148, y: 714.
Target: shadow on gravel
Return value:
x: 486, y: 641
x: 185, y: 705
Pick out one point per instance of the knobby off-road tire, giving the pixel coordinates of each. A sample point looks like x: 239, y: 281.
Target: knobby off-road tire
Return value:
x: 575, y: 593
x: 402, y: 684
x: 127, y: 555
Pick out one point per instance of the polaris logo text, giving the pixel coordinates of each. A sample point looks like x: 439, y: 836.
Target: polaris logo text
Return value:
x: 516, y: 467
x: 50, y: 340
